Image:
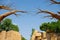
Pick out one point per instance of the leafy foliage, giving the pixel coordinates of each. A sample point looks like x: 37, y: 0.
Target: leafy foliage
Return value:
x: 23, y: 38
x: 32, y: 32
x: 53, y: 26
x: 7, y: 25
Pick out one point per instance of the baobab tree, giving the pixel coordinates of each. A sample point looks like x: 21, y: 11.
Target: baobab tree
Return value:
x: 52, y: 14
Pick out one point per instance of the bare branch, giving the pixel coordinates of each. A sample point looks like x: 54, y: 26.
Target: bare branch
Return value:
x: 58, y: 12
x: 54, y: 2
x: 17, y: 15
x: 45, y: 11
x: 2, y: 16
x: 47, y: 16
x: 5, y: 8
x: 51, y: 13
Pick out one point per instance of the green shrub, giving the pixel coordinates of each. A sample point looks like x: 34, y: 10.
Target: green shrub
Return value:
x: 7, y: 25
x: 52, y: 26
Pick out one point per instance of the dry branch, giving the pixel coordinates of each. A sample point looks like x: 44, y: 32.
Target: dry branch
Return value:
x: 53, y: 15
x: 54, y: 2
x: 5, y: 7
x: 2, y: 16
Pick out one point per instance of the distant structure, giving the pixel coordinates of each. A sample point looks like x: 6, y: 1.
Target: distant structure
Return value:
x: 44, y: 36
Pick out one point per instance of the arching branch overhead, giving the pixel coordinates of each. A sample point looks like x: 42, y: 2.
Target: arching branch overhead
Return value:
x: 54, y: 2
x: 51, y: 13
x: 2, y: 16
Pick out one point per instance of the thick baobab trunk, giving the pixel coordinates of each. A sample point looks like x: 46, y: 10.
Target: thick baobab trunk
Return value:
x: 10, y: 35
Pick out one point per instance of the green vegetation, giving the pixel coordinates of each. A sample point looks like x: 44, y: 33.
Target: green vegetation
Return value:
x: 23, y: 38
x: 32, y: 32
x: 51, y: 27
x: 7, y: 25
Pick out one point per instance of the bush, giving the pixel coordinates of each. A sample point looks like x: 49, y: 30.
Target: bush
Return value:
x: 53, y: 26
x: 7, y: 25
x: 23, y: 38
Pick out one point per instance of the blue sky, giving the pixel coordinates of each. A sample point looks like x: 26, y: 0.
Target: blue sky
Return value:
x: 30, y: 20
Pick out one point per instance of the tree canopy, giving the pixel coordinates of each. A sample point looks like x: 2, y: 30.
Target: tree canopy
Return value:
x: 51, y: 27
x: 8, y: 25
